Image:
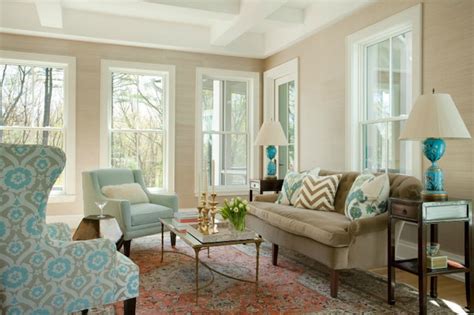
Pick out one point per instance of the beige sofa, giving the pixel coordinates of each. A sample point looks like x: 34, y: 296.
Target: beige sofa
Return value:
x: 330, y: 237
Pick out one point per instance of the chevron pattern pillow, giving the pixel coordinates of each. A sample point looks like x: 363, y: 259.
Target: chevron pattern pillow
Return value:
x: 318, y: 192
x: 292, y: 185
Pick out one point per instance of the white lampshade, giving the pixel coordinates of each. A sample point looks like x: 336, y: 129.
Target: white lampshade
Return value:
x: 271, y: 133
x: 434, y: 116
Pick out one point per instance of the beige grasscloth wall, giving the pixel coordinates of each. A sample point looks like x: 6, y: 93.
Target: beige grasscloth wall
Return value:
x: 88, y: 57
x: 448, y: 66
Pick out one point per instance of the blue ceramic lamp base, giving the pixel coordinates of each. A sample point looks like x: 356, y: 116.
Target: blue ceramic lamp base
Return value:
x: 271, y: 167
x: 434, y: 148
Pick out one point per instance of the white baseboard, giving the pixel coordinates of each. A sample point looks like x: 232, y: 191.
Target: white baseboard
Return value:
x: 406, y: 250
x: 72, y: 220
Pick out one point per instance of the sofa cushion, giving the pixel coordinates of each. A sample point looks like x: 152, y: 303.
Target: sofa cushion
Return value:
x: 132, y: 192
x: 368, y: 196
x: 330, y: 228
x: 318, y: 192
x: 146, y: 213
x: 292, y: 185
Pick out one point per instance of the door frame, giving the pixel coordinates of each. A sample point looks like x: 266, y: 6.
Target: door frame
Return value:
x: 289, y: 68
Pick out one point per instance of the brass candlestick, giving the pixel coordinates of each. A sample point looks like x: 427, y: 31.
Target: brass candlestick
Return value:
x: 213, y: 211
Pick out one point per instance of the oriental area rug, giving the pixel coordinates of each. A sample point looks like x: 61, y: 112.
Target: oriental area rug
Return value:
x: 297, y: 285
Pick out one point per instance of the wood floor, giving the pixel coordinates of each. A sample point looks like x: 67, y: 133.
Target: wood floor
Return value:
x: 448, y: 288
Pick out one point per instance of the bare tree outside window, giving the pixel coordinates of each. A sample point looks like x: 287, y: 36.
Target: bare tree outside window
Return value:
x: 32, y: 106
x: 138, y: 125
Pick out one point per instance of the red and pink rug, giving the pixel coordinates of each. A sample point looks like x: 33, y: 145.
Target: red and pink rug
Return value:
x: 297, y: 285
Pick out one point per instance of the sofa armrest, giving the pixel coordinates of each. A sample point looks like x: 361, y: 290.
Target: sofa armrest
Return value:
x: 266, y: 198
x: 369, y: 225
x: 170, y: 201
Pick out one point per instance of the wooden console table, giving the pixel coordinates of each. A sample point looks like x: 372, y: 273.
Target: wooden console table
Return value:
x: 425, y: 214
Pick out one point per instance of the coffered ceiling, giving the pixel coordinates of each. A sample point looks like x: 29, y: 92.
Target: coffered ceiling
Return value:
x: 249, y: 28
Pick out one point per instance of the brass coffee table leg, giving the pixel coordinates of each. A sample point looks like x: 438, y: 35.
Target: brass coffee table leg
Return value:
x: 257, y: 246
x: 162, y: 241
x: 196, y: 252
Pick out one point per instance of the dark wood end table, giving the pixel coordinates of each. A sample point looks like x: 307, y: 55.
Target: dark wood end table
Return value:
x: 93, y: 226
x: 261, y: 185
x: 424, y: 215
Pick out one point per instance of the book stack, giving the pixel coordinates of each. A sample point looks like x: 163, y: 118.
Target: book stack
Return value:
x: 182, y: 219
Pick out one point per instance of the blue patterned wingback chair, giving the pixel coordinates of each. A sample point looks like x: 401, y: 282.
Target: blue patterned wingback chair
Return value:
x: 42, y: 271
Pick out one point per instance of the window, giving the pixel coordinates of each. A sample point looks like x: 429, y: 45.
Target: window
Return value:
x: 37, y: 107
x: 227, y: 109
x: 286, y: 104
x: 384, y: 83
x: 139, y: 131
x: 281, y: 104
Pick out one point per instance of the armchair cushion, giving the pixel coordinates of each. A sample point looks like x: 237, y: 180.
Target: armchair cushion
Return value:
x: 132, y: 192
x: 146, y: 213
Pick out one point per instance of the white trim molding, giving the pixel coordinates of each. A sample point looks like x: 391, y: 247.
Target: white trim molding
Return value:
x: 407, y: 20
x: 167, y: 71
x: 68, y: 64
x: 289, y: 70
x: 253, y: 86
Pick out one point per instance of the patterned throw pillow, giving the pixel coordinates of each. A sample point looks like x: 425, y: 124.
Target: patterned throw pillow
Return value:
x: 318, y: 192
x: 368, y: 196
x: 292, y: 185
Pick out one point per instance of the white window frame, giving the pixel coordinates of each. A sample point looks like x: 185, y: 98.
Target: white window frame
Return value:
x: 168, y: 71
x: 407, y: 20
x: 288, y: 69
x: 69, y: 65
x: 253, y: 164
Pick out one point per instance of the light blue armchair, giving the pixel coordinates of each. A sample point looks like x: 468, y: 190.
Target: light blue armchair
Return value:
x: 135, y: 220
x: 41, y: 270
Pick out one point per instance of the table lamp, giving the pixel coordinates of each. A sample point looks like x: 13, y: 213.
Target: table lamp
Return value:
x: 434, y: 117
x: 271, y: 134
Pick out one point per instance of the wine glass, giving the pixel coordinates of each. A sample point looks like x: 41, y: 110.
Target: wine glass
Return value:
x: 101, y: 204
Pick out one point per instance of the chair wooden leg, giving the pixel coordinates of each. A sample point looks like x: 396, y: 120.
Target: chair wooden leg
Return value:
x: 129, y: 306
x: 126, y: 247
x: 173, y: 239
x: 274, y: 254
x: 334, y: 282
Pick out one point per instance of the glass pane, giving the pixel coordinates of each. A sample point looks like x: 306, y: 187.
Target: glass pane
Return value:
x: 382, y: 149
x: 229, y: 153
x: 401, y: 74
x: 31, y: 96
x: 235, y: 109
x: 399, y: 155
x: 211, y: 104
x: 140, y: 150
x: 137, y: 101
x: 378, y: 80
x: 375, y: 147
x: 291, y: 112
x: 291, y: 158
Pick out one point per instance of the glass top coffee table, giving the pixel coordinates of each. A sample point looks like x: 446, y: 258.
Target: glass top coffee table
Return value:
x: 197, y: 246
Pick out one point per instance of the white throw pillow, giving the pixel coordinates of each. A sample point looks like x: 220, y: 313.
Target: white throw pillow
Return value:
x: 132, y: 192
x: 368, y: 196
x: 292, y: 186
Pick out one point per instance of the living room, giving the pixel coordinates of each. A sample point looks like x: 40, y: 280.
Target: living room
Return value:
x: 196, y: 103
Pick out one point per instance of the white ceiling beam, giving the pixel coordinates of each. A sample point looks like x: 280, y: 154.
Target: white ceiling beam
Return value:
x: 228, y: 6
x: 252, y: 12
x: 50, y: 13
x: 20, y: 18
x: 287, y: 15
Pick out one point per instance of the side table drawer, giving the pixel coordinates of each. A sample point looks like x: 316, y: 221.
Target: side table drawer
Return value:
x: 405, y: 211
x: 255, y: 185
x: 445, y: 212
